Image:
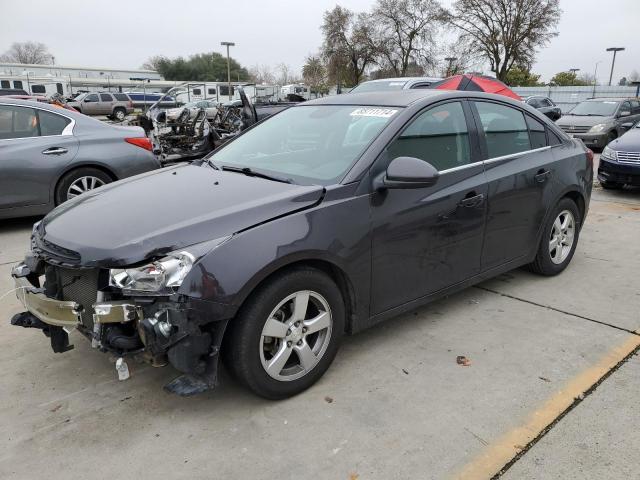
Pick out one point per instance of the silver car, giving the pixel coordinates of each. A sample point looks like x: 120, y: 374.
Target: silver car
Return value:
x: 49, y: 154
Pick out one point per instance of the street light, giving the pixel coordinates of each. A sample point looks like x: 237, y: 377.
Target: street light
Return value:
x: 613, y: 62
x: 595, y: 77
x: 450, y: 60
x: 228, y: 44
x: 574, y: 70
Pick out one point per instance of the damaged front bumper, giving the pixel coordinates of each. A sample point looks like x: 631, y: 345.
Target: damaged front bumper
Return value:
x: 183, y: 332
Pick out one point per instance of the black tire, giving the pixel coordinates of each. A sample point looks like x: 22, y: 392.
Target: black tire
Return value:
x: 242, y: 348
x: 119, y: 114
x: 543, y: 264
x: 67, y: 180
x: 611, y: 185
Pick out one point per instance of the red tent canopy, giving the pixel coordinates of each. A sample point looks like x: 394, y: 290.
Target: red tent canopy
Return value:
x: 478, y: 83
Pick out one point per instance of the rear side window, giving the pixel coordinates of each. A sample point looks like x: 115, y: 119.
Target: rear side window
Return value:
x: 121, y: 97
x: 547, y: 103
x: 537, y: 134
x: 105, y: 97
x: 438, y: 136
x: 52, y: 124
x: 505, y: 130
x: 534, y: 102
x: 18, y: 122
x: 38, y: 89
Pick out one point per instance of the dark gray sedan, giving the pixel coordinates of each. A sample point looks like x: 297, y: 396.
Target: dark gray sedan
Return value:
x: 49, y: 155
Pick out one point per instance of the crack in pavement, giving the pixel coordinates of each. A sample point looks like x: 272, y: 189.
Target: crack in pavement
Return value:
x: 577, y: 401
x: 565, y: 312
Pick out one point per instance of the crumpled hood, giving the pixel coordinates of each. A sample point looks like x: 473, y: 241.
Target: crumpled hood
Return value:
x: 583, y: 120
x: 151, y: 214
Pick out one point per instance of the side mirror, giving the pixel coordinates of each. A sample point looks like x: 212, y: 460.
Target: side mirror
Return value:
x: 626, y: 125
x: 625, y: 113
x: 408, y: 172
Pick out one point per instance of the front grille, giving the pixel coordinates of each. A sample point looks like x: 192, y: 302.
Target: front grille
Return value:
x: 80, y: 286
x: 629, y: 157
x: 575, y: 128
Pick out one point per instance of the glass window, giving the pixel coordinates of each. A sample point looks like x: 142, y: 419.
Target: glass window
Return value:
x: 547, y: 103
x: 121, y: 97
x: 105, y: 97
x: 92, y: 97
x: 554, y: 139
x: 635, y: 107
x: 310, y: 144
x: 17, y: 84
x: 379, y: 86
x: 625, y: 107
x: 18, y: 122
x: 59, y: 88
x: 598, y: 108
x: 534, y: 102
x: 5, y: 84
x: 38, y: 89
x: 537, y: 134
x: 52, y: 124
x: 211, y: 91
x: 224, y: 90
x: 505, y: 130
x: 438, y: 136
x: 197, y: 91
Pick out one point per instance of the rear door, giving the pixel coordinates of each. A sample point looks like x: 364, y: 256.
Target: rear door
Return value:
x: 427, y: 239
x: 35, y: 146
x: 520, y: 168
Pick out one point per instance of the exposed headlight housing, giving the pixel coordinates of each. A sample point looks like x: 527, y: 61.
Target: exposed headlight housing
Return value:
x: 600, y: 127
x: 609, y: 153
x: 161, y: 277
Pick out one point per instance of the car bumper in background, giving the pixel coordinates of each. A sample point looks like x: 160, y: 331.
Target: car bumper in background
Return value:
x: 615, y: 172
x: 596, y: 140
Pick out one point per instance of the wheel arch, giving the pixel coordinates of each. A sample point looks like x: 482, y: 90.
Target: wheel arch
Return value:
x: 75, y: 166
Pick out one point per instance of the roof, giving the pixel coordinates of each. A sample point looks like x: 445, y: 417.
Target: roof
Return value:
x: 42, y: 106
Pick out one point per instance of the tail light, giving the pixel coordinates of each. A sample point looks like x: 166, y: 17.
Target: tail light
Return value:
x: 590, y: 158
x: 130, y: 104
x: 142, y: 142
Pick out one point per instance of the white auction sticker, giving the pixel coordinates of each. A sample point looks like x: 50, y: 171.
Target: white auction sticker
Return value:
x: 373, y: 112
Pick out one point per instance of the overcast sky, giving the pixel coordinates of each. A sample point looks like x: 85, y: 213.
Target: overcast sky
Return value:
x: 121, y: 34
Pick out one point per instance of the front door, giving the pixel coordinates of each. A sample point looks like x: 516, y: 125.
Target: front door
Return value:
x: 520, y: 171
x: 427, y: 239
x: 106, y: 104
x: 33, y: 151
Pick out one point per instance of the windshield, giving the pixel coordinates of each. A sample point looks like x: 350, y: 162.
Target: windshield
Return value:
x: 309, y: 144
x: 604, y: 108
x: 379, y: 86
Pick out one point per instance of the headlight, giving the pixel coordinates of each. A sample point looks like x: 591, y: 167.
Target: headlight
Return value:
x: 161, y: 277
x: 609, y: 153
x: 598, y: 128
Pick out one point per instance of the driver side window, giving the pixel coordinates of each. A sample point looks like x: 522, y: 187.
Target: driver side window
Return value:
x: 438, y: 136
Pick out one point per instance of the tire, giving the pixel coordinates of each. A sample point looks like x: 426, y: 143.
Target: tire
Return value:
x: 94, y: 178
x: 119, y: 114
x: 611, y: 185
x: 254, y: 358
x: 551, y: 262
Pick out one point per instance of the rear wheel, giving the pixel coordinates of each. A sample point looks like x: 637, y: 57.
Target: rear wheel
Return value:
x: 80, y: 181
x: 559, y: 239
x: 287, y: 334
x: 119, y: 114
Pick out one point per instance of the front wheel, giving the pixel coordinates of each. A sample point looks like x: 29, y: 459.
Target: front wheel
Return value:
x: 288, y: 333
x: 559, y: 239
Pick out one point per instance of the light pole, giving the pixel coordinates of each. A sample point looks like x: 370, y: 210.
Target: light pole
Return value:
x: 574, y: 70
x: 228, y: 44
x: 450, y: 60
x: 595, y: 77
x: 613, y: 62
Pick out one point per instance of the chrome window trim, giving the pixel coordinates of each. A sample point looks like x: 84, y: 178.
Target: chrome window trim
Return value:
x: 66, y: 132
x: 495, y: 159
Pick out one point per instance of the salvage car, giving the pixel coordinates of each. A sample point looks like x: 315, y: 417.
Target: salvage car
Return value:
x: 391, y: 84
x: 545, y: 105
x: 598, y: 121
x: 49, y: 154
x: 324, y: 219
x: 620, y: 160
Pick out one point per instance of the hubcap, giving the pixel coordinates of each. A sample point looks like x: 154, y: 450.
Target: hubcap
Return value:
x: 296, y: 335
x: 562, y: 235
x: 120, y: 115
x: 82, y: 185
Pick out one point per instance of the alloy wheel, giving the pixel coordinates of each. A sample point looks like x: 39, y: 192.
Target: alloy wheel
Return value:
x: 296, y: 335
x: 82, y: 185
x: 562, y: 237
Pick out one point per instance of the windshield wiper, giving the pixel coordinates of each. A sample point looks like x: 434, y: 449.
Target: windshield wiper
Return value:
x: 253, y: 173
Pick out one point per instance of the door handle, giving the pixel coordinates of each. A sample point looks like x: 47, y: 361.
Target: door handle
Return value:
x: 472, y: 200
x: 542, y: 176
x: 55, y: 151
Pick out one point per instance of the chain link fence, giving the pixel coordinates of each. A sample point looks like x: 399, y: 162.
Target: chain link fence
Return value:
x: 568, y: 97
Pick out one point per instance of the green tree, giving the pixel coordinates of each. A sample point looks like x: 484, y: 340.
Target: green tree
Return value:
x: 520, y: 76
x: 314, y: 74
x: 202, y: 67
x: 566, y: 79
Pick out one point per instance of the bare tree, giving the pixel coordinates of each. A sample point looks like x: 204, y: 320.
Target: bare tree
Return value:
x: 284, y: 74
x: 28, y: 52
x: 406, y: 32
x: 262, y: 74
x: 154, y: 63
x: 506, y: 32
x: 347, y: 44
